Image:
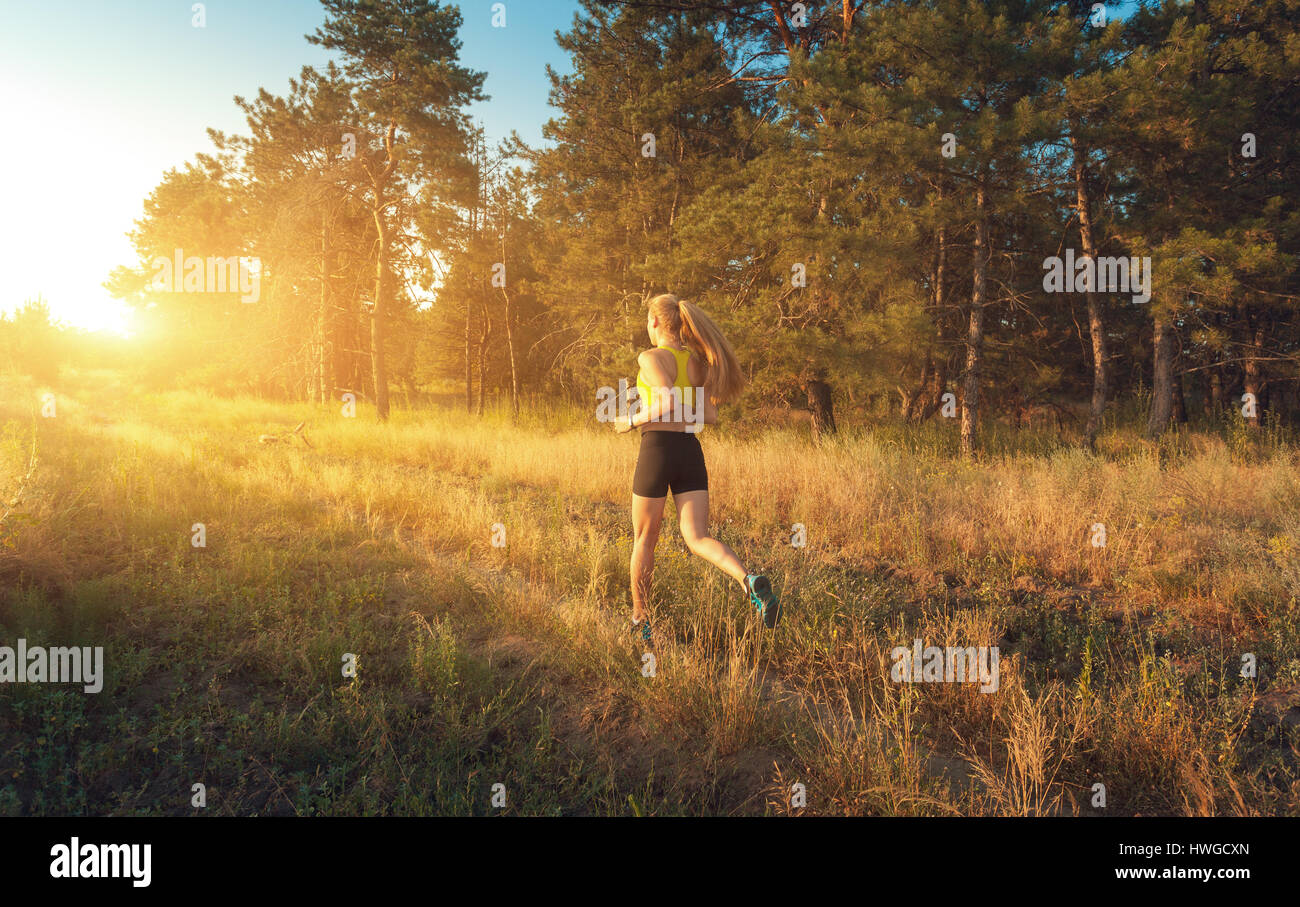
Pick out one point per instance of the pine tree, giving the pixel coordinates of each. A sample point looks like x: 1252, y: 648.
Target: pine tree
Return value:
x: 403, y: 56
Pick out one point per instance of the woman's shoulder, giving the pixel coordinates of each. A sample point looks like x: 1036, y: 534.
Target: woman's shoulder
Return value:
x: 656, y: 354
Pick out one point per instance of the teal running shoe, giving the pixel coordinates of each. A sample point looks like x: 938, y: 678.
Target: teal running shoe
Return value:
x: 764, y: 599
x: 642, y: 628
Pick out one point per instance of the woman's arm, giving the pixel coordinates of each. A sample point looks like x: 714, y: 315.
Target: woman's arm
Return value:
x: 706, y: 411
x: 661, y: 398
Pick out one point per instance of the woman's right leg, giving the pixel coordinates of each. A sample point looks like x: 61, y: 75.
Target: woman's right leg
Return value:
x: 693, y: 509
x: 647, y: 516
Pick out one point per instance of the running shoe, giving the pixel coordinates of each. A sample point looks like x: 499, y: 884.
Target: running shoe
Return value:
x: 764, y: 599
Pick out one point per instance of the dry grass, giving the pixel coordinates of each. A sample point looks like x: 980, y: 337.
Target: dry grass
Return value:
x: 1119, y: 665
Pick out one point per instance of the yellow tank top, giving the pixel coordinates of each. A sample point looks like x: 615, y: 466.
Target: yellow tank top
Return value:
x: 682, y: 381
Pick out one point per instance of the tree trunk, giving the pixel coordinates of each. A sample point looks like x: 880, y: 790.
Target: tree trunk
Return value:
x: 1162, y: 395
x: 1096, y: 324
x: 938, y: 384
x: 821, y: 405
x: 933, y: 392
x: 510, y: 336
x: 469, y: 359
x: 324, y: 370
x: 914, y: 401
x: 1254, y: 379
x: 510, y: 348
x: 975, y: 331
x: 313, y: 365
x: 364, y: 375
x: 1179, y: 402
x: 939, y: 373
x: 378, y: 312
x: 482, y: 356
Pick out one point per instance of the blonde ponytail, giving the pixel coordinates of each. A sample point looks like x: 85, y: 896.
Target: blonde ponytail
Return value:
x: 698, y: 331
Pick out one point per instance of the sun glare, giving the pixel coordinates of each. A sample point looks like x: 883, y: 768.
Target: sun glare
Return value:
x: 76, y: 210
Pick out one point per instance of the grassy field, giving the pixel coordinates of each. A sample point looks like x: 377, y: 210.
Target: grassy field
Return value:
x: 480, y: 665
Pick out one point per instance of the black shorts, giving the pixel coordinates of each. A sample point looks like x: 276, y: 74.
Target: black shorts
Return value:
x: 669, y: 460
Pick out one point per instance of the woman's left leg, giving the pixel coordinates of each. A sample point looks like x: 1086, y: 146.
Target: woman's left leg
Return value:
x: 693, y: 510
x: 647, y: 515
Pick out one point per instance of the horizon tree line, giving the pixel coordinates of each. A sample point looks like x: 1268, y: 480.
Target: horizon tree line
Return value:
x: 867, y: 195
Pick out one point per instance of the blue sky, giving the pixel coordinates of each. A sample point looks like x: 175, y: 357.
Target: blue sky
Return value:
x: 102, y: 97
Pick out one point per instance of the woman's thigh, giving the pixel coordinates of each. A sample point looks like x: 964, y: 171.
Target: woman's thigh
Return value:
x: 647, y: 515
x: 693, y: 514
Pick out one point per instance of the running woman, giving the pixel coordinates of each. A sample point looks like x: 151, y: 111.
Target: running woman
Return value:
x: 691, y: 369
